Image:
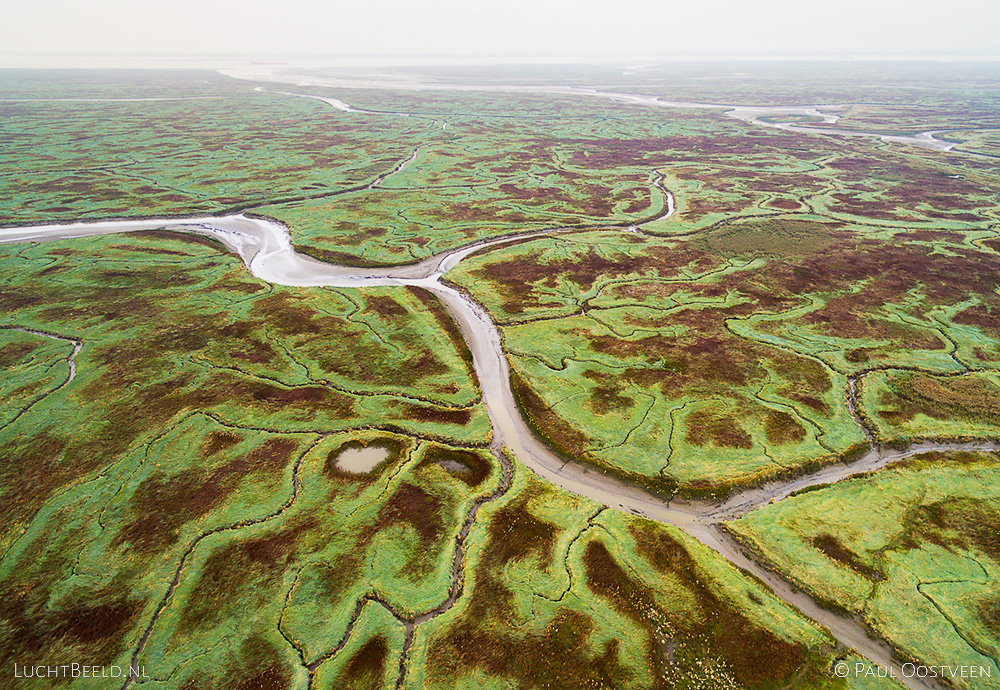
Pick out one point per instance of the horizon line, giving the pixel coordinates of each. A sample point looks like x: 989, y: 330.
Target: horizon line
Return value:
x: 412, y: 59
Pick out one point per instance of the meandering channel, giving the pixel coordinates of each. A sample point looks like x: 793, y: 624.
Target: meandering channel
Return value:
x: 70, y: 359
x: 753, y: 115
x: 266, y: 249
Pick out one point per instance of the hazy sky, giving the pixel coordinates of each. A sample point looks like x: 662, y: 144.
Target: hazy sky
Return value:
x: 617, y: 28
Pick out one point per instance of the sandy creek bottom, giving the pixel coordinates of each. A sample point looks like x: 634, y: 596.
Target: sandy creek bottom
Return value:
x: 266, y: 249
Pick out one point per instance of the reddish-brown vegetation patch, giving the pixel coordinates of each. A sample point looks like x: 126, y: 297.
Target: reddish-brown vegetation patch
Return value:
x: 485, y: 639
x: 244, y: 345
x: 607, y: 396
x: 436, y: 415
x: 388, y: 308
x: 32, y: 469
x: 858, y: 355
x: 839, y: 317
x: 719, y: 428
x: 425, y: 513
x: 288, y: 315
x: 94, y: 621
x: 782, y: 428
x: 163, y: 504
x: 366, y: 668
x: 257, y: 666
x: 954, y: 523
x: 989, y: 614
x: 755, y: 656
x: 338, y: 576
x: 986, y: 317
x: 853, y: 204
x: 488, y: 637
x: 941, y: 397
x: 785, y: 204
x: 239, y: 573
x: 12, y: 353
x: 217, y: 441
x: 682, y: 364
x: 833, y: 549
x: 515, y: 533
x: 275, y: 398
x: 467, y: 466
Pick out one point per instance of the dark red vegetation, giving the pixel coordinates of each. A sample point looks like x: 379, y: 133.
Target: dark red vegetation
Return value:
x: 467, y: 466
x: 755, y: 656
x: 436, y: 415
x: 988, y: 611
x: 38, y: 625
x: 239, y: 574
x: 516, y: 533
x: 489, y: 635
x: 257, y: 666
x: 217, y: 441
x: 607, y: 395
x: 953, y: 524
x: 414, y: 506
x: 968, y: 397
x: 162, y: 504
x: 985, y: 316
x: 12, y: 353
x: 366, y: 667
x: 720, y: 428
x: 426, y: 513
x: 832, y: 548
x: 781, y: 428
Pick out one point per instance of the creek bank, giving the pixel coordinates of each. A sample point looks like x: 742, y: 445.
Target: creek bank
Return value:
x: 266, y: 249
x: 756, y: 115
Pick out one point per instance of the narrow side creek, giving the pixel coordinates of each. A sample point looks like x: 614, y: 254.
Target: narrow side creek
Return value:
x: 410, y: 623
x: 266, y: 249
x: 70, y: 359
x: 770, y: 117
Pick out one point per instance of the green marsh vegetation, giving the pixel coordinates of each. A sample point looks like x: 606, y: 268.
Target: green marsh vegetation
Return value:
x: 215, y: 153
x: 201, y: 398
x: 562, y: 591
x: 199, y: 438
x: 221, y: 464
x: 725, y: 357
x: 923, y: 569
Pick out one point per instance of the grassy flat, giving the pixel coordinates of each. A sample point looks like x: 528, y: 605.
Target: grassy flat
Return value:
x: 726, y: 357
x: 178, y: 437
x: 922, y: 569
